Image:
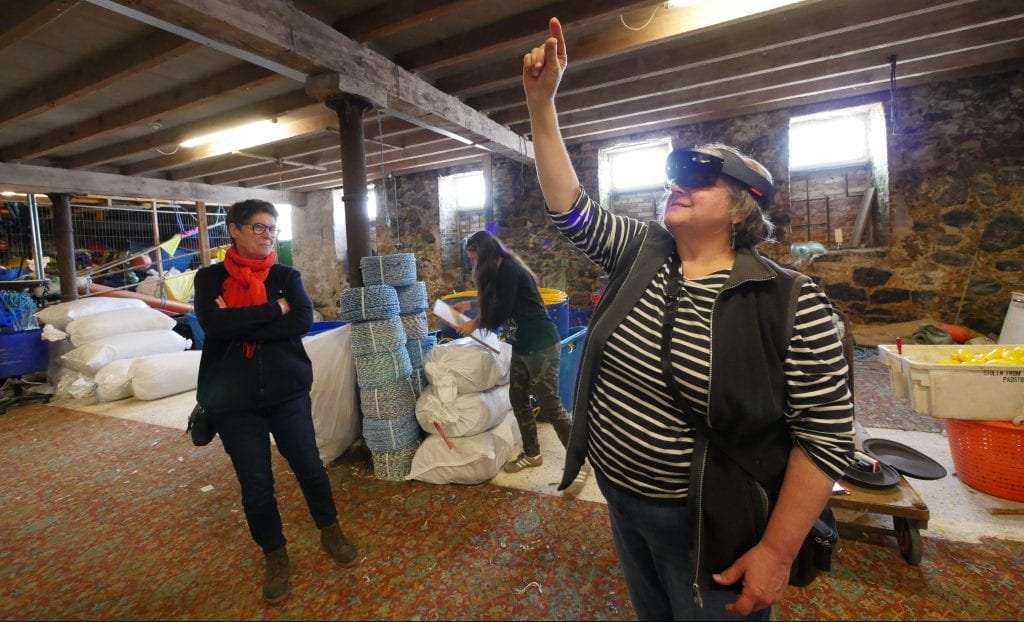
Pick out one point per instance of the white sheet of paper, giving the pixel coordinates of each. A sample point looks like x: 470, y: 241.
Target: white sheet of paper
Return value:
x: 447, y: 314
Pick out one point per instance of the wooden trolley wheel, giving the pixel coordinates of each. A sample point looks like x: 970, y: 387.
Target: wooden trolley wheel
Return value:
x: 909, y: 538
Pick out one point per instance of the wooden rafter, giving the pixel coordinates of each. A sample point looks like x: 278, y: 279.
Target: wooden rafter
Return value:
x: 281, y: 34
x: 93, y: 74
x: 20, y: 20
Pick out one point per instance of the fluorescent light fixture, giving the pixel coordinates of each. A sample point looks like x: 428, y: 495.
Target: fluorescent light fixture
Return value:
x: 8, y: 193
x: 244, y: 135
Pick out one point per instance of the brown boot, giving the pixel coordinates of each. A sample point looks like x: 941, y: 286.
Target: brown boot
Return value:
x: 275, y: 581
x: 338, y: 546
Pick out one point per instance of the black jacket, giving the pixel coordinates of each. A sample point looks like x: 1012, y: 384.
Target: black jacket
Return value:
x: 279, y: 370
x: 751, y: 327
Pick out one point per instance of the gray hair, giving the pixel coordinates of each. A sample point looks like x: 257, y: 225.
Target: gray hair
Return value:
x: 755, y: 227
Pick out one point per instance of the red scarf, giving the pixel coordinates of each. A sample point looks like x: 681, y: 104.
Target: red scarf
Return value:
x: 244, y: 286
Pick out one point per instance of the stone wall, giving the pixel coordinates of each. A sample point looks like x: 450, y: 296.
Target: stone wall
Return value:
x: 955, y: 223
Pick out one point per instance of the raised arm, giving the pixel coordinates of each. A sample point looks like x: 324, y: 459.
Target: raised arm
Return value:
x: 542, y: 71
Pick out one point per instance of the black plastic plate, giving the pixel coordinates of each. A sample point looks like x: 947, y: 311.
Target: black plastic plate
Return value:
x: 904, y: 459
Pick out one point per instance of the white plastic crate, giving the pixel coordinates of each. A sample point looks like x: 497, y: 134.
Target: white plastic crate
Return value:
x: 951, y: 391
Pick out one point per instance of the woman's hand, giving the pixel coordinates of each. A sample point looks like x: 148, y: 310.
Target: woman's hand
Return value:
x: 466, y: 329
x: 543, y: 66
x: 764, y: 576
x: 220, y: 302
x: 285, y: 307
x: 462, y: 307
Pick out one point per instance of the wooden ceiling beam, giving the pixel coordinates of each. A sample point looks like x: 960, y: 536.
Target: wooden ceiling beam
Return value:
x: 395, y: 134
x: 761, y: 33
x: 287, y: 129
x: 21, y: 19
x: 286, y: 37
x: 291, y: 102
x: 521, y: 32
x: 37, y: 179
x: 439, y: 149
x: 791, y: 65
x: 221, y: 84
x: 93, y: 74
x: 465, y: 155
x: 677, y: 111
x: 396, y: 16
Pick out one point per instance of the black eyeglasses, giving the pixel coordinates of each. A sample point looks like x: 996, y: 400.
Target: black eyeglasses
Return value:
x: 259, y: 228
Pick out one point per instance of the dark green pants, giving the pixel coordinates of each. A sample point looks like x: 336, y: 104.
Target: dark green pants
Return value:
x: 537, y: 373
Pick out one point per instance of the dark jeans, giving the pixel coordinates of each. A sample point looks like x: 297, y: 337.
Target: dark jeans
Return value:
x: 537, y: 373
x: 246, y: 438
x: 652, y: 538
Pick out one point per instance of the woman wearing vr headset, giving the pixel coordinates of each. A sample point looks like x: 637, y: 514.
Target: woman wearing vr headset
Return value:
x: 696, y: 326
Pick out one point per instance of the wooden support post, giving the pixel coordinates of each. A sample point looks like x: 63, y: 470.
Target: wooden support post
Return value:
x: 863, y: 217
x: 350, y: 111
x: 64, y: 233
x: 204, y: 234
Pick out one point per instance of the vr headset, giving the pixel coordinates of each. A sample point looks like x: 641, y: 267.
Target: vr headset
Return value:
x: 687, y: 168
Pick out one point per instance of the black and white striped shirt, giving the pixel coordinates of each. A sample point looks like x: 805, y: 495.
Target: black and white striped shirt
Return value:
x: 638, y: 438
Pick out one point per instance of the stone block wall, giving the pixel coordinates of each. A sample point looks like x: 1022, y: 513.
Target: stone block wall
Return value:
x: 953, y: 235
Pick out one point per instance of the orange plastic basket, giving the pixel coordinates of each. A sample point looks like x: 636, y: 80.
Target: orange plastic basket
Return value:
x: 989, y: 456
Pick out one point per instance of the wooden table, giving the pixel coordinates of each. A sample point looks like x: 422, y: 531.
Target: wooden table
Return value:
x: 908, y: 511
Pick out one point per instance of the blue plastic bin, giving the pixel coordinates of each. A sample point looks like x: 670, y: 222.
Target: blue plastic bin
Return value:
x: 23, y: 352
x: 319, y: 327
x: 569, y: 365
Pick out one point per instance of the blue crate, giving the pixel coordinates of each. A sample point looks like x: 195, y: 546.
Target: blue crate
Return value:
x: 23, y: 352
x: 569, y: 365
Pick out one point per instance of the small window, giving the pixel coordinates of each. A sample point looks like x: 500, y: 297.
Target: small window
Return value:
x: 638, y: 167
x: 284, y: 221
x: 829, y: 140
x: 463, y: 192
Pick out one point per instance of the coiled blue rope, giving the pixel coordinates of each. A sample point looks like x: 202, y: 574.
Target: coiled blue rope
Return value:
x: 383, y: 435
x: 418, y: 349
x: 393, y: 466
x: 396, y: 270
x: 412, y: 298
x: 382, y: 368
x: 375, y: 302
x: 415, y: 324
x: 389, y: 401
x: 377, y: 336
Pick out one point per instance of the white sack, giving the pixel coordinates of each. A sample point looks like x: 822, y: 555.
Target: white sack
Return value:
x: 114, y: 382
x: 60, y: 314
x: 464, y: 366
x: 74, y: 384
x: 160, y: 375
x: 335, y: 412
x: 473, y: 459
x: 118, y: 322
x: 91, y: 357
x: 466, y: 415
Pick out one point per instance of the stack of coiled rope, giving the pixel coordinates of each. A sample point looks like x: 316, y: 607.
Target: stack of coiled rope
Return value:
x: 380, y: 314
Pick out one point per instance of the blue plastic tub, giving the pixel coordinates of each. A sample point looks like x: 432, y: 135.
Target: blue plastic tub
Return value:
x: 319, y: 327
x: 569, y: 365
x: 23, y: 352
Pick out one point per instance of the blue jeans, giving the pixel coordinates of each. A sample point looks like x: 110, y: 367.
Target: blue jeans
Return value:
x: 246, y: 438
x: 652, y: 538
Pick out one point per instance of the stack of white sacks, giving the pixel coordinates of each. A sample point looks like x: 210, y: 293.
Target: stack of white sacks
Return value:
x: 384, y: 370
x: 116, y: 348
x: 465, y: 409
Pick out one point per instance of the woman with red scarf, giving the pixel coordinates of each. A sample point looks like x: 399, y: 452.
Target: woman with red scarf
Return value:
x: 255, y: 377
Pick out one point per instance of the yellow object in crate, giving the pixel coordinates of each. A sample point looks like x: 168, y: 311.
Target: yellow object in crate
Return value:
x: 938, y: 382
x: 996, y: 356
